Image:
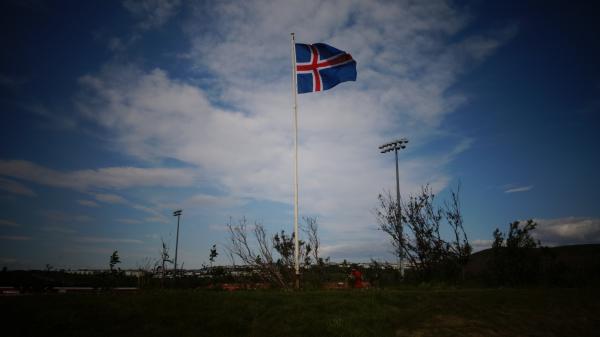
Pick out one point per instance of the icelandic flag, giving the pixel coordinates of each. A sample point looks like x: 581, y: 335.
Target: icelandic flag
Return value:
x: 320, y: 67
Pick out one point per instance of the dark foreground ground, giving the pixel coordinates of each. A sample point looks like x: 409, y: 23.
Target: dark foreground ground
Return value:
x: 417, y: 312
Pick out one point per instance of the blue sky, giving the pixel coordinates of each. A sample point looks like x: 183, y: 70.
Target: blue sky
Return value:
x: 113, y: 114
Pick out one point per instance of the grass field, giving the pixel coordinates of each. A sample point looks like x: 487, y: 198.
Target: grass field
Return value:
x: 417, y: 312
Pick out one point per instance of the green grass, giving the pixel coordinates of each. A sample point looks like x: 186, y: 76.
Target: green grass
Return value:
x: 420, y: 312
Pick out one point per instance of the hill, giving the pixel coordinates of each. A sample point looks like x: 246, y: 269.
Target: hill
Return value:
x: 564, y: 265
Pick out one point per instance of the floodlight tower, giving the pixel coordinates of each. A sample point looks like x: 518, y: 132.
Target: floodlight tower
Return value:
x: 177, y: 213
x: 396, y: 145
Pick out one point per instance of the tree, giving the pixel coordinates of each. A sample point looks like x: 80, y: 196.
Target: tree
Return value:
x: 261, y: 258
x: 318, y: 270
x: 164, y: 257
x: 421, y: 243
x: 387, y: 218
x: 272, y: 257
x: 514, y: 260
x: 426, y: 249
x: 312, y: 232
x: 460, y: 247
x: 284, y: 245
x: 114, y: 260
x: 213, y: 254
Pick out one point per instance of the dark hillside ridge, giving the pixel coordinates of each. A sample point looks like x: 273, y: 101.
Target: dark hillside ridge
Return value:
x: 572, y: 265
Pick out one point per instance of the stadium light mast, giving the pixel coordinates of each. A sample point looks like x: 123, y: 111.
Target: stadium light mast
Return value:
x: 177, y: 213
x: 396, y: 145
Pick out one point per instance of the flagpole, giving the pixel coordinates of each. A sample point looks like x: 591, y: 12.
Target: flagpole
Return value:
x: 295, y: 93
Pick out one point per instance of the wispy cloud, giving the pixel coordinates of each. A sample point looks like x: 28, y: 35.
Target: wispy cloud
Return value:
x: 152, y: 13
x: 129, y: 221
x: 11, y: 82
x: 8, y: 223
x: 88, y: 249
x: 519, y: 189
x: 16, y: 188
x: 97, y: 239
x: 157, y: 219
x: 211, y: 201
x: 157, y: 215
x: 15, y: 238
x: 88, y: 203
x: 110, y: 177
x: 153, y: 236
x: 57, y: 229
x: 218, y: 227
x: 9, y: 260
x: 59, y: 217
x: 115, y: 199
x: 110, y: 198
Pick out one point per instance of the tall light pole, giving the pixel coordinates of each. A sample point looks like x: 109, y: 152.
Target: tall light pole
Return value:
x: 395, y: 146
x: 177, y: 213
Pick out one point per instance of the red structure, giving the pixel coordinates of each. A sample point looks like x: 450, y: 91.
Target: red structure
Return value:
x: 357, y: 276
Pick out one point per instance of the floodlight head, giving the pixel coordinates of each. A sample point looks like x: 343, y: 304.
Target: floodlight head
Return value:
x: 396, y: 145
x: 386, y: 145
x: 177, y: 212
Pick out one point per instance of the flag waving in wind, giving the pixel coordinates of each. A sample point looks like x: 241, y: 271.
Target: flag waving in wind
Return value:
x: 320, y: 67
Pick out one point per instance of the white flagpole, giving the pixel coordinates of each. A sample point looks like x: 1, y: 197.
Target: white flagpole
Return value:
x: 295, y: 93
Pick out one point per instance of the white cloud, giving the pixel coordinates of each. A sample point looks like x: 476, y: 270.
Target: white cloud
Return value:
x: 558, y: 232
x: 519, y: 189
x: 211, y: 201
x: 356, y: 251
x: 238, y: 129
x: 16, y: 188
x: 152, y: 13
x: 153, y: 236
x: 109, y: 177
x: 478, y: 245
x: 250, y: 156
x: 117, y: 44
x: 570, y: 230
x: 218, y: 227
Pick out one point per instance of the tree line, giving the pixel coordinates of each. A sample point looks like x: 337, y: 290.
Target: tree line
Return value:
x: 428, y: 234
